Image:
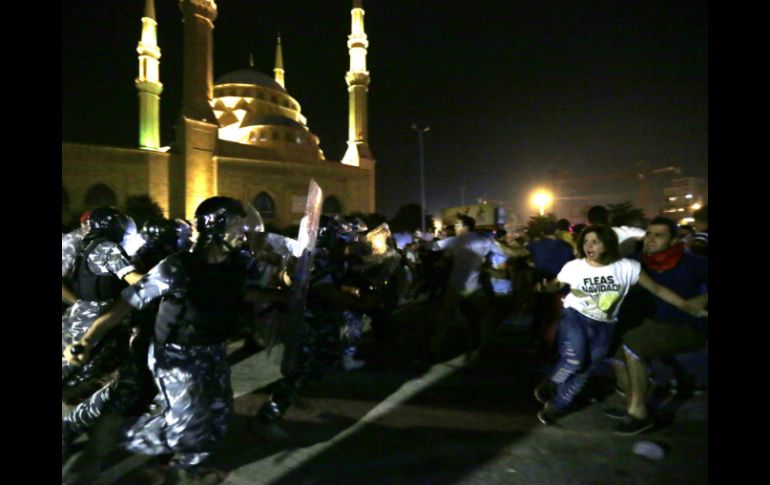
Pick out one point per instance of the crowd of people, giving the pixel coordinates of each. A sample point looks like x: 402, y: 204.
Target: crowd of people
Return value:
x: 151, y: 323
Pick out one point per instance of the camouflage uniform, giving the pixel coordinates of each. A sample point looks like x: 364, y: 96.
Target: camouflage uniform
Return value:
x: 133, y: 389
x: 71, y: 244
x: 195, y: 397
x: 103, y: 259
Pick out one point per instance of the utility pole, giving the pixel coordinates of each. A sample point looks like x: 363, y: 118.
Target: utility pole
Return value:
x: 420, y: 130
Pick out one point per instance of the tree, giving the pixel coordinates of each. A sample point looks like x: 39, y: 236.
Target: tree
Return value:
x: 536, y: 225
x: 625, y: 214
x: 407, y: 218
x: 142, y: 208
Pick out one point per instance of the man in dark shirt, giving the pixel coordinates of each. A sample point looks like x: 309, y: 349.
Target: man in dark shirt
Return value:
x: 549, y: 254
x: 669, y: 331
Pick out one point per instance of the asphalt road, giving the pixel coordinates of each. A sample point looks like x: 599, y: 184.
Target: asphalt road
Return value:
x: 394, y: 422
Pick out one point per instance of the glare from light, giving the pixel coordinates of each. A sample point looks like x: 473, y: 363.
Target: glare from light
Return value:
x: 541, y: 198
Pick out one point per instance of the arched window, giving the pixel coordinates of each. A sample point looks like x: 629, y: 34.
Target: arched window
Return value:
x: 332, y: 206
x: 100, y: 195
x: 265, y: 205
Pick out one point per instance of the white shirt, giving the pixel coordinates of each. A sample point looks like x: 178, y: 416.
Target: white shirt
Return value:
x: 597, y: 292
x: 500, y: 286
x: 468, y: 253
x: 627, y: 238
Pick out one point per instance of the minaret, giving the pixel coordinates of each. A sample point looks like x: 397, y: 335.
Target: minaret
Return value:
x: 357, y: 79
x: 278, y: 70
x: 197, y: 129
x: 148, y: 81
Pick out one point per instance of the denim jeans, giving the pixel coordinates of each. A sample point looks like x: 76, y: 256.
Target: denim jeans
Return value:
x: 583, y: 343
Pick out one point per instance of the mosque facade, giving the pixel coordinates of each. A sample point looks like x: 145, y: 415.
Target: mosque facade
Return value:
x: 242, y: 135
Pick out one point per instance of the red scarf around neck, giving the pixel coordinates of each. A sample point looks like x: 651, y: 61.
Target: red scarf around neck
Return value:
x: 664, y: 260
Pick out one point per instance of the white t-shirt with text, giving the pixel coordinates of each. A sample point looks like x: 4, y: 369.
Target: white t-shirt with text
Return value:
x: 597, y: 292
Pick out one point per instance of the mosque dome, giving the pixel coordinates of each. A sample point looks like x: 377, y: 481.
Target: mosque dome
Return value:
x: 249, y: 76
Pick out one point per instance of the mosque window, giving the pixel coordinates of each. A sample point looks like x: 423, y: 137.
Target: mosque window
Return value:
x: 276, y: 135
x: 262, y: 135
x: 288, y: 136
x: 100, y: 195
x: 261, y: 95
x: 265, y: 205
x: 331, y: 206
x: 274, y: 99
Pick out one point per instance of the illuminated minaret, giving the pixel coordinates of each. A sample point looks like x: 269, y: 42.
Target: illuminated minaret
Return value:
x: 357, y: 79
x: 148, y: 81
x: 198, y: 127
x: 278, y: 70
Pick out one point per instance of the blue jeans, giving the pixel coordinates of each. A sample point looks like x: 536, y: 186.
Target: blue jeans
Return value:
x: 583, y: 343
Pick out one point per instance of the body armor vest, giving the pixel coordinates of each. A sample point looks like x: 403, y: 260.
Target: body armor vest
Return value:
x: 205, y: 312
x: 91, y: 287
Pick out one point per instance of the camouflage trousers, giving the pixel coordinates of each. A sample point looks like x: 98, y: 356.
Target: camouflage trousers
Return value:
x: 352, y: 330
x: 195, y: 402
x: 128, y: 394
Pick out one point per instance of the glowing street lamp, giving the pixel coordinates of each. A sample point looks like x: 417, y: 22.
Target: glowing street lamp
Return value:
x: 541, y: 198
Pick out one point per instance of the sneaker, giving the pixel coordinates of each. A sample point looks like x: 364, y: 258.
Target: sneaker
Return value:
x: 550, y: 414
x: 349, y: 363
x: 631, y: 425
x: 271, y: 433
x: 545, y: 391
x: 616, y: 413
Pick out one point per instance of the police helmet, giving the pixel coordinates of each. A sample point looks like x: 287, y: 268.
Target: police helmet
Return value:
x: 109, y: 223
x: 184, y: 234
x: 212, y: 215
x: 159, y: 232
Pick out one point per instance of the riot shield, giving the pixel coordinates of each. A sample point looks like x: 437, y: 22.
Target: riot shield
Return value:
x: 308, y: 230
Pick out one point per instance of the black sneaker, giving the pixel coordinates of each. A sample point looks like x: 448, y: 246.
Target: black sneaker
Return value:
x: 545, y: 391
x: 631, y: 425
x: 616, y: 413
x: 550, y: 414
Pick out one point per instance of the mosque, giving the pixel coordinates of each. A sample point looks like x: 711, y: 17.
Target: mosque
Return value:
x: 242, y: 135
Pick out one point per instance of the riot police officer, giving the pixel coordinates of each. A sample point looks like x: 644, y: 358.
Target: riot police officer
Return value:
x: 199, y: 293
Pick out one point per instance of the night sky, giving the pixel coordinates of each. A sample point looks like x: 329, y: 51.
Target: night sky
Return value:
x: 512, y: 90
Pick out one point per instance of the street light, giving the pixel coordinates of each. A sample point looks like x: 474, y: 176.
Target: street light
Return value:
x: 420, y: 130
x: 541, y: 198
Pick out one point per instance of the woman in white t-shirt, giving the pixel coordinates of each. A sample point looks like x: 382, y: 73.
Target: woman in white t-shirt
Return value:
x: 599, y: 281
